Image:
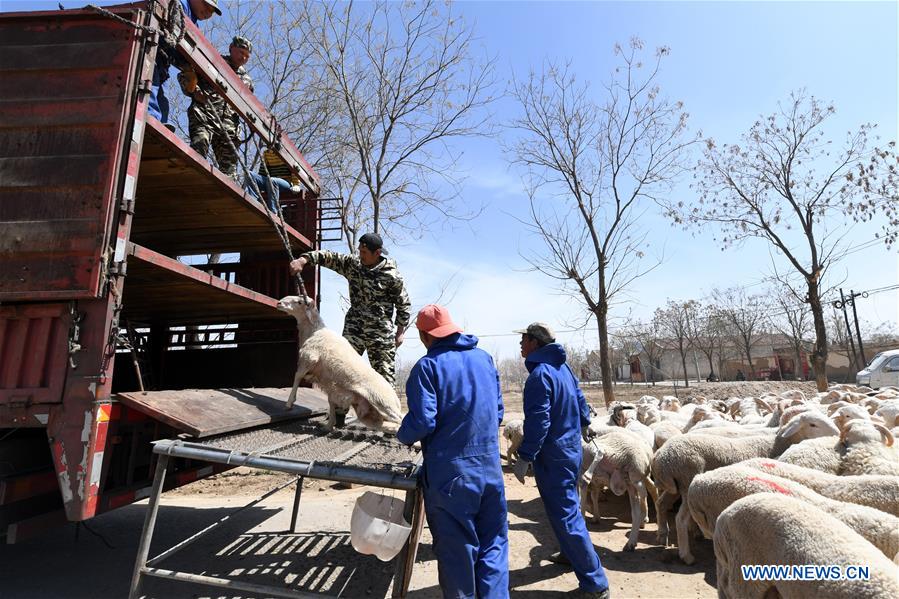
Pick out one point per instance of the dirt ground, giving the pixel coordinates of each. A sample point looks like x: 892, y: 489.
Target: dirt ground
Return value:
x: 254, y: 545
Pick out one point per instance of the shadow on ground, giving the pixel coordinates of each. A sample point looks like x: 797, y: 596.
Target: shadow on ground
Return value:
x: 98, y: 563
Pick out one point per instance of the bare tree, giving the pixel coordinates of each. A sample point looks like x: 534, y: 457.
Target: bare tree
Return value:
x: 786, y: 177
x: 409, y: 83
x: 602, y: 166
x: 793, y: 320
x: 625, y: 346
x: 707, y: 331
x: 878, y: 182
x: 674, y: 324
x: 745, y: 316
x: 648, y: 337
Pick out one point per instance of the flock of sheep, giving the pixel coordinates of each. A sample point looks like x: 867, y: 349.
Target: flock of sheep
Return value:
x: 778, y: 479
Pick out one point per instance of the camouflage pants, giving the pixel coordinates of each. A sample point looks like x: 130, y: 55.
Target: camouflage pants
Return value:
x: 205, y: 131
x: 381, y: 348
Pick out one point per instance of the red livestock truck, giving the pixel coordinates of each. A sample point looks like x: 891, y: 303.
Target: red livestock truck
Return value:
x: 109, y: 338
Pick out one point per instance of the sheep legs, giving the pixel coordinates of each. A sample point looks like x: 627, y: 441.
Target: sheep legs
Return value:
x: 303, y: 367
x: 664, y: 503
x: 682, y: 520
x: 636, y: 493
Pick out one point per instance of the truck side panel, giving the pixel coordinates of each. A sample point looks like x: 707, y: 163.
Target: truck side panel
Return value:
x: 63, y: 103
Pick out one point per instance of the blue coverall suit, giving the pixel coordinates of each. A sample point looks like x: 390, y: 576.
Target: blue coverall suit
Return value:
x: 455, y: 407
x: 554, y: 412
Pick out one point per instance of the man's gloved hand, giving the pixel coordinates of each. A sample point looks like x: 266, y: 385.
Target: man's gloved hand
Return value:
x: 587, y: 434
x: 521, y: 469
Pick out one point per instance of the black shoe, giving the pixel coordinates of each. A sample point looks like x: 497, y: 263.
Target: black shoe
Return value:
x: 559, y: 558
x: 593, y: 594
x: 340, y: 419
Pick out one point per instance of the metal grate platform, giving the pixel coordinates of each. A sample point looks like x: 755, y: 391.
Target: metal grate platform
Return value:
x: 306, y: 441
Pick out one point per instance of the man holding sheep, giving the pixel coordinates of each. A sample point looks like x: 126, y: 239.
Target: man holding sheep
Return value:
x: 455, y: 406
x: 555, y: 412
x: 376, y: 292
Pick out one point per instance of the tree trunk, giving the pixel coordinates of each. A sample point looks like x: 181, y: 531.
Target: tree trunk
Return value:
x: 605, y: 367
x: 712, y: 365
x: 748, y: 348
x: 798, y: 370
x: 683, y: 361
x: 819, y: 354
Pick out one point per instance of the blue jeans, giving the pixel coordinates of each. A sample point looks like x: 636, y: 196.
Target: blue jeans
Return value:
x: 272, y: 192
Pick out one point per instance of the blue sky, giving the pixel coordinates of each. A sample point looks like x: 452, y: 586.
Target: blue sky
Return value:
x: 730, y: 62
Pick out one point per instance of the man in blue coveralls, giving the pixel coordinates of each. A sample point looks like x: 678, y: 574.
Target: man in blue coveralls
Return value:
x: 555, y: 411
x: 166, y: 57
x: 455, y: 407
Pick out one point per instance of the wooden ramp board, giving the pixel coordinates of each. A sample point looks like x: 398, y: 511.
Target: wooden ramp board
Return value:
x: 205, y: 412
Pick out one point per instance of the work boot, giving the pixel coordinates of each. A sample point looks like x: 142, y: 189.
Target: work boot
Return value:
x: 604, y: 594
x: 340, y: 419
x: 559, y: 558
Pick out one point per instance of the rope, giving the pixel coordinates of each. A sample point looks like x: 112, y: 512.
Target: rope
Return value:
x: 279, y: 225
x: 171, y: 34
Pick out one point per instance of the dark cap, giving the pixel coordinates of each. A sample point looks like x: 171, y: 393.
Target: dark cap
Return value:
x: 240, y: 41
x: 373, y: 242
x: 539, y: 331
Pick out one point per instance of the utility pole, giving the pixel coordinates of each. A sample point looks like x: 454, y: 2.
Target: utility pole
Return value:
x: 861, y: 348
x: 841, y: 305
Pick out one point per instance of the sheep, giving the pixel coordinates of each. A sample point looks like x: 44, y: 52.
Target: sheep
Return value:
x: 622, y: 461
x: 869, y: 449
x: 889, y: 413
x: 669, y: 403
x: 775, y: 529
x: 625, y: 415
x: 844, y: 414
x: 331, y: 362
x: 796, y: 394
x: 682, y: 458
x: 711, y: 492
x: 648, y: 400
x: 873, y: 490
x: 751, y: 410
x: 824, y: 454
x: 662, y: 431
x: 513, y: 431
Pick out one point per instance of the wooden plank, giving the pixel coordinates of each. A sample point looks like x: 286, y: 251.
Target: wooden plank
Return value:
x: 206, y: 412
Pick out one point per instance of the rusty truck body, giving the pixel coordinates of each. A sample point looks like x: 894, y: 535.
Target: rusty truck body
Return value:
x: 99, y: 203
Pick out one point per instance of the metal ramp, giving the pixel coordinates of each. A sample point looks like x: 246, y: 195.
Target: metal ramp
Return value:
x: 351, y: 455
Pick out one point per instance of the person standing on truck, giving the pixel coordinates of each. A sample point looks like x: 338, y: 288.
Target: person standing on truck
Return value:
x: 377, y: 292
x: 556, y: 417
x: 166, y: 57
x: 211, y: 120
x: 455, y: 406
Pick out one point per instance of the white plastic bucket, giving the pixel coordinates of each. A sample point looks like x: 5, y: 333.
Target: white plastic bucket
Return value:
x: 378, y: 527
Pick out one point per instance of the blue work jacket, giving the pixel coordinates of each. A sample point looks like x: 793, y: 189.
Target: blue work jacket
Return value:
x: 555, y: 409
x: 455, y: 401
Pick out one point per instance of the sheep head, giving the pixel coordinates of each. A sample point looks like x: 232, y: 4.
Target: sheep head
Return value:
x: 809, y: 425
x: 862, y: 431
x: 303, y: 309
x: 849, y: 412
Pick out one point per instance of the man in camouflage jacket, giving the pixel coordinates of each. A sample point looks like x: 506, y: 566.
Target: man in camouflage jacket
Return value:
x: 376, y: 291
x: 207, y: 108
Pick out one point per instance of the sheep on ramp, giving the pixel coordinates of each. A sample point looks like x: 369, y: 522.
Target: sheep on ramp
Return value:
x: 330, y: 362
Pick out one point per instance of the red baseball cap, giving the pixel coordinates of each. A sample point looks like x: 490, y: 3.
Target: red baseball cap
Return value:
x: 435, y: 320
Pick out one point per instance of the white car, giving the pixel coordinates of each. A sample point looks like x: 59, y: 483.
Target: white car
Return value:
x: 883, y: 371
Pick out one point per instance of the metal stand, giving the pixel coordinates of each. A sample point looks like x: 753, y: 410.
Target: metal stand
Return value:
x: 413, y: 511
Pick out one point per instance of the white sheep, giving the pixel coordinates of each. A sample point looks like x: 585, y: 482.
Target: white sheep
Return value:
x: 889, y: 413
x: 712, y: 492
x: 662, y: 431
x: 678, y: 461
x: 331, y: 363
x: 670, y: 403
x: 513, y: 431
x: 869, y: 449
x: 625, y: 415
x: 873, y: 490
x: 622, y: 461
x: 773, y: 529
x: 824, y: 454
